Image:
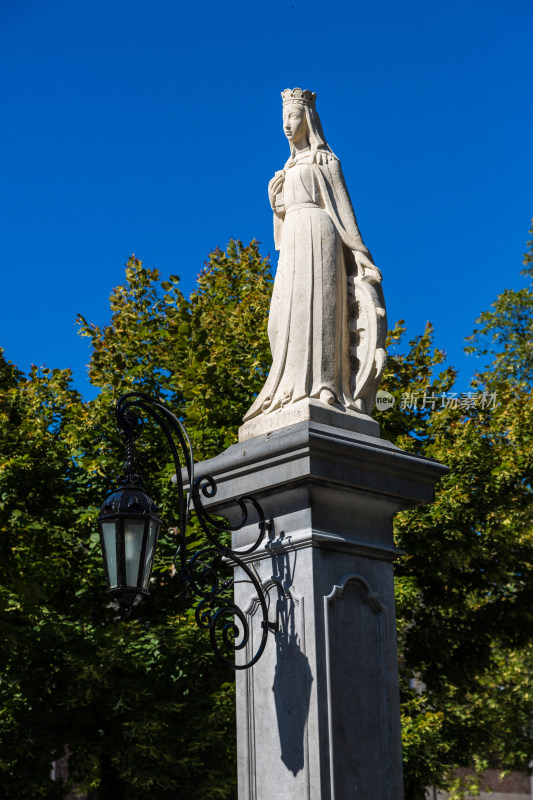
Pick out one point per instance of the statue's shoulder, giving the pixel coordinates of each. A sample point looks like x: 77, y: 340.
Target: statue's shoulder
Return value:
x: 325, y: 158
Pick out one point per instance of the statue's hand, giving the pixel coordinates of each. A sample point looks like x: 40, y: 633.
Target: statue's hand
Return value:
x: 365, y: 265
x: 275, y: 186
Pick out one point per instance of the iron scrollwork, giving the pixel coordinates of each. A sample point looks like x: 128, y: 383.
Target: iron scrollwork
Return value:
x: 208, y: 574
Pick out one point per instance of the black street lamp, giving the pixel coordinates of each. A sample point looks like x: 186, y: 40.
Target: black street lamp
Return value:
x: 129, y: 527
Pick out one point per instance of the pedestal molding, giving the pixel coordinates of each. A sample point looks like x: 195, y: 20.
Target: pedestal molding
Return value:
x: 309, y: 453
x: 300, y: 539
x: 371, y: 598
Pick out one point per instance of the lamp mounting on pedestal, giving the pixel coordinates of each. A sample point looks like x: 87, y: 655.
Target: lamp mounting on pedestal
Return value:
x: 129, y: 525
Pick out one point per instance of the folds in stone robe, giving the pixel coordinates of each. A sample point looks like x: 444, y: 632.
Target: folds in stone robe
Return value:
x: 327, y: 316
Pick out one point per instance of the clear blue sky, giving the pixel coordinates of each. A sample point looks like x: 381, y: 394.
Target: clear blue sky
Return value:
x: 154, y: 128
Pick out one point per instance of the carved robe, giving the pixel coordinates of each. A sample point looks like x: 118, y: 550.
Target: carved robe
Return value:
x: 317, y: 329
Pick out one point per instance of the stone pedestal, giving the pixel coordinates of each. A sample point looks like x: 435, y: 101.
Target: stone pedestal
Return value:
x: 318, y: 715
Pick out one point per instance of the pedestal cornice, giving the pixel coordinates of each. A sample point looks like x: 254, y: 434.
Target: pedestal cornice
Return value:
x: 311, y: 453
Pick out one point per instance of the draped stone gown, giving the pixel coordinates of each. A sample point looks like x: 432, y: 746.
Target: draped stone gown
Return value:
x: 309, y: 322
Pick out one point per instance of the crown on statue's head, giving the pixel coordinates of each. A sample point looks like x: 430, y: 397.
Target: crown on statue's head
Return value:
x: 299, y: 96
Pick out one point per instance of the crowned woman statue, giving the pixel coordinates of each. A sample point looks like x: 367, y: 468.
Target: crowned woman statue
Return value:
x: 327, y: 322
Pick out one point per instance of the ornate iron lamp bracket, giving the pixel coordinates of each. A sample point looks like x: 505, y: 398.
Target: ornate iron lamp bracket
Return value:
x: 202, y: 575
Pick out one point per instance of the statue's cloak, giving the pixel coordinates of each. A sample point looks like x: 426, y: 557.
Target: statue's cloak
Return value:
x: 322, y: 325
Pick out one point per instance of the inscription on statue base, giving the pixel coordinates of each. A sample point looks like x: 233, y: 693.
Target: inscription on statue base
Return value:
x: 312, y: 410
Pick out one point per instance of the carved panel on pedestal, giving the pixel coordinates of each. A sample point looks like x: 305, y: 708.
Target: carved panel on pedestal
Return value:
x: 358, y: 667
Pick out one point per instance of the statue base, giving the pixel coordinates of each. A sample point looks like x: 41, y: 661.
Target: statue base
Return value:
x: 309, y: 410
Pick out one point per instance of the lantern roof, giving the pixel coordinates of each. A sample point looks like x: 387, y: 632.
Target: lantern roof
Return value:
x: 129, y: 500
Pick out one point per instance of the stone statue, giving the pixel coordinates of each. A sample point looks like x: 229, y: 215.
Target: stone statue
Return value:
x: 327, y: 323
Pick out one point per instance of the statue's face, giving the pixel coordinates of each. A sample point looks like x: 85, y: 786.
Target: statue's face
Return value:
x: 294, y: 122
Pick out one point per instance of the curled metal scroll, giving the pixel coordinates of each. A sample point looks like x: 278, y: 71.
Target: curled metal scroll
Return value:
x: 229, y: 627
x: 207, y: 575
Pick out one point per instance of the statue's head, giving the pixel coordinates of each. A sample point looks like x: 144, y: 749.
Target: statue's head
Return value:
x: 300, y: 119
x: 294, y: 122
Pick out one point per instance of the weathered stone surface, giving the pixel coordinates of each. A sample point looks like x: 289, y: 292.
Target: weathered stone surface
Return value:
x: 327, y: 322
x: 309, y: 410
x: 318, y: 715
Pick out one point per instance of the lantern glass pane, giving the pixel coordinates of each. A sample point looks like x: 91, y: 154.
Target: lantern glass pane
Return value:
x: 110, y: 552
x: 133, y: 539
x: 150, y: 547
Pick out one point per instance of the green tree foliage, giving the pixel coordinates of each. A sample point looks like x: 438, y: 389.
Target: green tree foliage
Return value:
x: 505, y: 335
x: 464, y: 587
x: 141, y: 704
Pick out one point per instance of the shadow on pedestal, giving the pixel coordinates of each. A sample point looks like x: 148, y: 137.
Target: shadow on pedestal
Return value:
x: 292, y: 679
